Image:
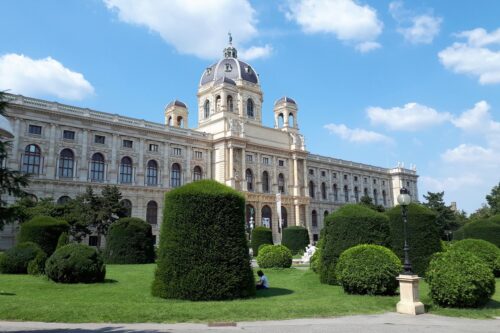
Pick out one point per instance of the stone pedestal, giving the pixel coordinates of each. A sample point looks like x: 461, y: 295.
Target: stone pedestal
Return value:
x: 408, y: 290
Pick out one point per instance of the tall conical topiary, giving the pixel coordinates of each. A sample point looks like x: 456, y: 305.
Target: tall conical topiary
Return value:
x: 203, y: 251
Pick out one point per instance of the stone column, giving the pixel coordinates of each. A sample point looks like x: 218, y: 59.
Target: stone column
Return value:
x: 113, y: 172
x: 409, y: 295
x: 243, y: 183
x: 140, y: 164
x: 84, y: 165
x: 51, y: 161
x: 166, y: 166
x: 296, y: 187
x: 14, y: 156
x: 189, y: 171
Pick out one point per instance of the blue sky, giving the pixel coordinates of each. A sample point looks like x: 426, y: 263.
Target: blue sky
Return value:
x: 377, y: 82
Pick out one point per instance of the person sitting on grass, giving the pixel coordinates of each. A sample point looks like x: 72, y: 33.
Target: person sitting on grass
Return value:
x: 263, y: 283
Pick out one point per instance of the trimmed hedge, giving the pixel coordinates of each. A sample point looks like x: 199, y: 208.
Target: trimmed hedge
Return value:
x: 17, y: 259
x: 44, y: 231
x: 37, y: 265
x: 368, y: 269
x: 261, y: 235
x: 295, y: 238
x: 63, y: 240
x: 203, y: 252
x: 75, y: 263
x: 459, y: 279
x: 482, y: 249
x: 486, y: 229
x: 346, y: 227
x: 274, y: 256
x: 424, y: 238
x: 129, y: 241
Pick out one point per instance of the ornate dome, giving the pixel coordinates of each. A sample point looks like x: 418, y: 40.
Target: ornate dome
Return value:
x: 285, y: 99
x: 176, y: 103
x: 229, y: 68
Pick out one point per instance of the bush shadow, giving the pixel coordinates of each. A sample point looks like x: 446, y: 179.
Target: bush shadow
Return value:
x: 2, y: 293
x: 110, y: 281
x: 272, y: 292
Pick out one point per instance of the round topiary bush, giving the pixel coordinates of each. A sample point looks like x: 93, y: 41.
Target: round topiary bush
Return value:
x: 295, y: 238
x: 17, y: 259
x: 75, y: 263
x: 424, y: 238
x: 486, y: 229
x: 368, y: 269
x: 346, y: 227
x: 203, y: 252
x: 129, y: 241
x: 274, y: 256
x: 459, y: 279
x: 482, y: 249
x: 261, y: 235
x: 44, y: 231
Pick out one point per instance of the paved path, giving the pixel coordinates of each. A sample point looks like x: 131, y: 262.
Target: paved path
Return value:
x: 384, y: 323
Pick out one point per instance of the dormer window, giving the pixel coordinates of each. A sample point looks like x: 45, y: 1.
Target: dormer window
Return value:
x: 209, y: 70
x: 229, y: 67
x: 248, y: 69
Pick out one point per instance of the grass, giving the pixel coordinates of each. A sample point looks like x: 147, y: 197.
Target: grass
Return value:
x: 125, y: 297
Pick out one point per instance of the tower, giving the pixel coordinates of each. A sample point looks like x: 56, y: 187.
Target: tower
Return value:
x: 285, y: 114
x: 176, y: 114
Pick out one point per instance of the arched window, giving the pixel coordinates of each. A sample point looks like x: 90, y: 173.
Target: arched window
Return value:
x: 290, y: 120
x: 311, y: 189
x: 180, y: 121
x: 325, y: 214
x: 281, y: 183
x: 97, y: 168
x: 127, y: 207
x: 346, y: 193
x: 250, y: 112
x: 356, y: 194
x: 314, y: 219
x: 265, y: 182
x: 230, y: 106
x: 281, y: 120
x: 284, y: 217
x: 66, y: 163
x: 152, y: 212
x: 175, y: 175
x: 384, y: 198
x: 152, y: 173
x: 170, y: 121
x: 335, y: 193
x: 197, y: 174
x: 126, y: 170
x: 206, y: 108
x: 217, y: 103
x: 249, y: 178
x: 267, y: 217
x: 63, y: 200
x: 365, y: 192
x: 323, y: 191
x: 375, y: 197
x: 32, y: 160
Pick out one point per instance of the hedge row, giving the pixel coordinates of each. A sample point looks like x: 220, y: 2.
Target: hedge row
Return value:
x: 295, y: 238
x: 260, y: 236
x: 44, y: 231
x: 486, y: 229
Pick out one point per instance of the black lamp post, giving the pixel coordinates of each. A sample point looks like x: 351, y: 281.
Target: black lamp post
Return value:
x: 404, y: 200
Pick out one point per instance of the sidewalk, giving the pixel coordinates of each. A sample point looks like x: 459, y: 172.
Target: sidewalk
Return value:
x: 384, y: 323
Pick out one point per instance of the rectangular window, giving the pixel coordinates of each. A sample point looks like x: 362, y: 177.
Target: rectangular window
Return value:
x: 178, y: 151
x: 69, y: 135
x: 355, y: 178
x: 249, y: 158
x: 345, y: 177
x: 99, y: 139
x: 315, y: 237
x: 407, y: 184
x: 365, y: 180
x: 383, y: 182
x: 153, y: 147
x: 335, y: 175
x: 34, y: 129
x: 198, y: 155
x: 92, y: 240
x: 127, y: 143
x: 265, y: 160
x: 311, y: 172
x: 281, y: 163
x: 323, y: 173
x: 374, y: 181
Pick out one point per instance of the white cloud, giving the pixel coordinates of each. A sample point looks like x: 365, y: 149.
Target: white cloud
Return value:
x: 451, y: 184
x: 346, y: 19
x: 357, y: 135
x: 417, y: 29
x: 473, y: 57
x: 22, y: 75
x: 410, y: 117
x: 192, y: 26
x: 255, y: 52
x: 478, y: 121
x: 466, y: 153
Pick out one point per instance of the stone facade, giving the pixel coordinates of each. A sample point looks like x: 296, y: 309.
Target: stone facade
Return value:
x: 67, y: 148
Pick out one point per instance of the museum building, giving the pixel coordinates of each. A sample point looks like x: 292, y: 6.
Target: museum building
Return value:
x: 66, y: 148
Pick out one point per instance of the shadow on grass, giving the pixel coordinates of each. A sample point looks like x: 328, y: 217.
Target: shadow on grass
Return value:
x: 2, y: 293
x: 82, y: 330
x: 110, y: 281
x: 272, y: 292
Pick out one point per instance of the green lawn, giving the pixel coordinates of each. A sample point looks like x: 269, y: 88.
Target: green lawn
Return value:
x: 125, y: 297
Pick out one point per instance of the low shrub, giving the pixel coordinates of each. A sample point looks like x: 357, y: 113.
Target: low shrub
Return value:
x: 63, y: 240
x: 129, y: 241
x: 263, y: 246
x: 482, y: 249
x: 485, y: 229
x: 459, y: 279
x: 295, y: 238
x: 17, y: 259
x: 75, y: 263
x: 37, y: 265
x: 274, y: 256
x: 315, y: 260
x: 368, y: 269
x: 261, y: 235
x: 44, y: 231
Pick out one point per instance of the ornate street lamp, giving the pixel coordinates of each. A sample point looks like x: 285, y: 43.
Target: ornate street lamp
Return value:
x: 404, y: 200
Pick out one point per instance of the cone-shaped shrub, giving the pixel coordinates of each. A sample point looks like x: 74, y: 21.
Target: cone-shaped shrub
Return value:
x: 129, y: 241
x: 423, y: 235
x: 203, y: 252
x: 486, y: 229
x: 261, y: 236
x: 44, y: 231
x: 346, y: 227
x: 482, y: 249
x: 295, y: 238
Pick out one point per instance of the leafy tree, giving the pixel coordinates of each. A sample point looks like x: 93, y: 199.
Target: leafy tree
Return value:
x: 493, y: 200
x: 445, y: 216
x: 82, y: 214
x: 12, y: 182
x: 109, y: 209
x: 481, y: 213
x: 368, y: 202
